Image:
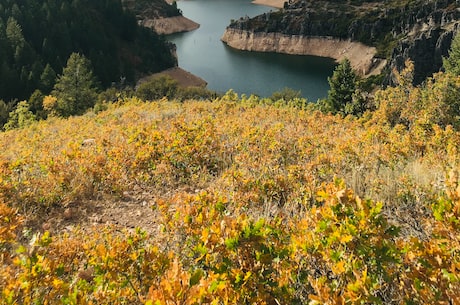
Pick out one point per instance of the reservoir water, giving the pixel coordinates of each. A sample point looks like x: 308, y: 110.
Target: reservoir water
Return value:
x: 202, y: 53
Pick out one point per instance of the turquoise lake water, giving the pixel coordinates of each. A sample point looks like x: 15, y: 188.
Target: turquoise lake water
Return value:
x: 202, y: 53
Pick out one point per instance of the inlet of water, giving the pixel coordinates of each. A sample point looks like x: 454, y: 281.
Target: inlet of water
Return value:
x: 202, y: 53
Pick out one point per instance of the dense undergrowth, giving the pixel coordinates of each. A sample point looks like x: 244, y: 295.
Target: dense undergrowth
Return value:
x: 257, y: 204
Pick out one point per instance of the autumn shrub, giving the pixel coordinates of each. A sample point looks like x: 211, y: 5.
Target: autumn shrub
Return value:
x: 432, y: 265
x: 347, y: 249
x: 255, y: 203
x: 101, y: 267
x: 285, y: 153
x: 10, y: 225
x: 9, y: 222
x: 244, y: 255
x: 433, y: 103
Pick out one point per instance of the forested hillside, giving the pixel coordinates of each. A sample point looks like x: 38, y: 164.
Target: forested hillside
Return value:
x: 152, y: 8
x: 37, y: 38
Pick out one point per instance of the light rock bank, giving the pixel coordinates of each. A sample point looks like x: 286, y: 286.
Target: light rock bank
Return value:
x: 362, y: 57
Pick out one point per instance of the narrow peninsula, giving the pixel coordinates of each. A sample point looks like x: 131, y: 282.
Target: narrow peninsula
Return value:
x: 162, y: 16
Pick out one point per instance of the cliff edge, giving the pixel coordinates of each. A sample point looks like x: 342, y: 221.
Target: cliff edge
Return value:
x: 392, y: 31
x: 162, y: 16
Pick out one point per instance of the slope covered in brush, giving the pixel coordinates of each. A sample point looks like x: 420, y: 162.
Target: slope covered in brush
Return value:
x: 253, y: 201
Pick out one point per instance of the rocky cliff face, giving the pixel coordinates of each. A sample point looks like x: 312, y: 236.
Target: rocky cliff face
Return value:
x: 421, y: 30
x: 426, y: 49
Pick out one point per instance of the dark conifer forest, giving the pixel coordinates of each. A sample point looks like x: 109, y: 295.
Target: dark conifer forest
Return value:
x: 38, y: 36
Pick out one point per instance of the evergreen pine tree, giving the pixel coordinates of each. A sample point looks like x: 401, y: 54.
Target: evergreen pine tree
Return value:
x: 47, y: 79
x: 75, y: 89
x: 14, y: 34
x: 342, y: 86
x: 4, y: 111
x: 36, y: 104
x: 452, y: 62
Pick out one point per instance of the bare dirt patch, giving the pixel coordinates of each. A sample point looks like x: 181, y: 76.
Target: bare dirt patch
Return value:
x: 132, y: 210
x: 184, y: 78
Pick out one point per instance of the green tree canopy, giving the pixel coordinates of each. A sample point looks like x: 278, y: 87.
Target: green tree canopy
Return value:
x: 286, y: 94
x: 157, y: 87
x: 342, y: 86
x: 76, y: 88
x: 3, y: 113
x: 47, y: 78
x: 20, y: 117
x: 452, y: 62
x: 38, y: 36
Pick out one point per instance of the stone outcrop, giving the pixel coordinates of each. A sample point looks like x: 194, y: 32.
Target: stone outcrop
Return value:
x: 426, y: 49
x: 361, y: 56
x: 420, y: 30
x: 170, y: 25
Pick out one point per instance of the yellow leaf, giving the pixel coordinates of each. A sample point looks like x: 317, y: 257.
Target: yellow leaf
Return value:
x: 205, y: 235
x: 339, y: 268
x: 346, y: 238
x: 247, y: 276
x: 57, y: 283
x: 314, y: 299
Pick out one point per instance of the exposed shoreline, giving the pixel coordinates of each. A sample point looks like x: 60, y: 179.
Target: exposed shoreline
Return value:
x: 183, y: 77
x: 361, y: 56
x: 272, y: 3
x: 171, y: 25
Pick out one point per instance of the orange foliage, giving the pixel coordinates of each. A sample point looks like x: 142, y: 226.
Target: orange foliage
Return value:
x: 247, y: 213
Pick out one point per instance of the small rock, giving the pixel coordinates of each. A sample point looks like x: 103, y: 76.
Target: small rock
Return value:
x: 46, y: 226
x: 127, y: 196
x: 68, y: 213
x: 96, y: 219
x: 86, y: 274
x: 88, y: 142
